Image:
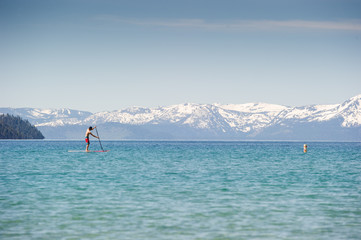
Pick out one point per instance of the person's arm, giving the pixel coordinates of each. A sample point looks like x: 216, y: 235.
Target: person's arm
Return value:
x: 94, y: 135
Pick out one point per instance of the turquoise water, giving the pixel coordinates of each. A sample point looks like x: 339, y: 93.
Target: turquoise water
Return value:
x: 180, y: 190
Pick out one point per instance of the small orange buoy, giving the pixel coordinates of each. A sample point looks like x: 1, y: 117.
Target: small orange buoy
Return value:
x: 305, y: 148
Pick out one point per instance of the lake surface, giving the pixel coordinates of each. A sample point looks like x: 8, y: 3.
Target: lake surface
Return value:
x: 180, y: 190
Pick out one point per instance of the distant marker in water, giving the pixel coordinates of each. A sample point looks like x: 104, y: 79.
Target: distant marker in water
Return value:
x: 304, y: 148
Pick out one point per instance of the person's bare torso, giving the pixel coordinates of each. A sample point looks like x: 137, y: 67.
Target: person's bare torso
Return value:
x: 87, y: 133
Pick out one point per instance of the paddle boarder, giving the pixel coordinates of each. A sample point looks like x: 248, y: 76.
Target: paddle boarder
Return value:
x: 88, y: 132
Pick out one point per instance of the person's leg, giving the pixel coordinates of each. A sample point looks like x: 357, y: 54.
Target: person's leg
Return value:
x: 87, y: 143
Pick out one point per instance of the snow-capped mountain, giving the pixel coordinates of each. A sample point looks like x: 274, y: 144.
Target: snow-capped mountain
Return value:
x: 49, y: 117
x: 206, y: 121
x: 349, y: 111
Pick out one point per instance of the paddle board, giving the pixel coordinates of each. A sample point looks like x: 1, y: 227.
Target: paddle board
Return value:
x: 88, y: 151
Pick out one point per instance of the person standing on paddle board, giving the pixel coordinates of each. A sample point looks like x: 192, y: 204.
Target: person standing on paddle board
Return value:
x: 88, y: 132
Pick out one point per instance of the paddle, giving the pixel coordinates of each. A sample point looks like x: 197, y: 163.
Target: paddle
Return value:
x: 99, y: 139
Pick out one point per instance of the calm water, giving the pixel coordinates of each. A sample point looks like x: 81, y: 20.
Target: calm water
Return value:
x: 180, y: 190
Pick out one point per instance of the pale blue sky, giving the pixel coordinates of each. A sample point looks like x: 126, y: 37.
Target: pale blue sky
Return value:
x: 106, y: 55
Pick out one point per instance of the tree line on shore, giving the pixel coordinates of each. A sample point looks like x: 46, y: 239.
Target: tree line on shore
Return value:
x: 14, y: 127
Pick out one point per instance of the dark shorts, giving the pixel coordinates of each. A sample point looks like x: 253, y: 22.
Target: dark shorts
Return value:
x: 87, y: 140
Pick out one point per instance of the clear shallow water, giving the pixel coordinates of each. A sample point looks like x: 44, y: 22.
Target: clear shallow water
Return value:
x: 180, y: 190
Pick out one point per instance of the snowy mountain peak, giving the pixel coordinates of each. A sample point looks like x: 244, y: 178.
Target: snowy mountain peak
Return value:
x: 48, y: 117
x: 356, y: 98
x: 254, y: 107
x: 350, y: 110
x: 248, y: 118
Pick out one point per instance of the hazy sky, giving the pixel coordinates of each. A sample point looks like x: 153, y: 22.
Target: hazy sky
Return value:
x: 99, y: 55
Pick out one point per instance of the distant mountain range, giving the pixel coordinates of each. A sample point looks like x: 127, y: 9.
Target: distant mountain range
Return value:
x: 250, y: 121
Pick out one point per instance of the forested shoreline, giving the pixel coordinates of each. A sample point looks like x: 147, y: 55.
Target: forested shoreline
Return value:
x: 14, y: 127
